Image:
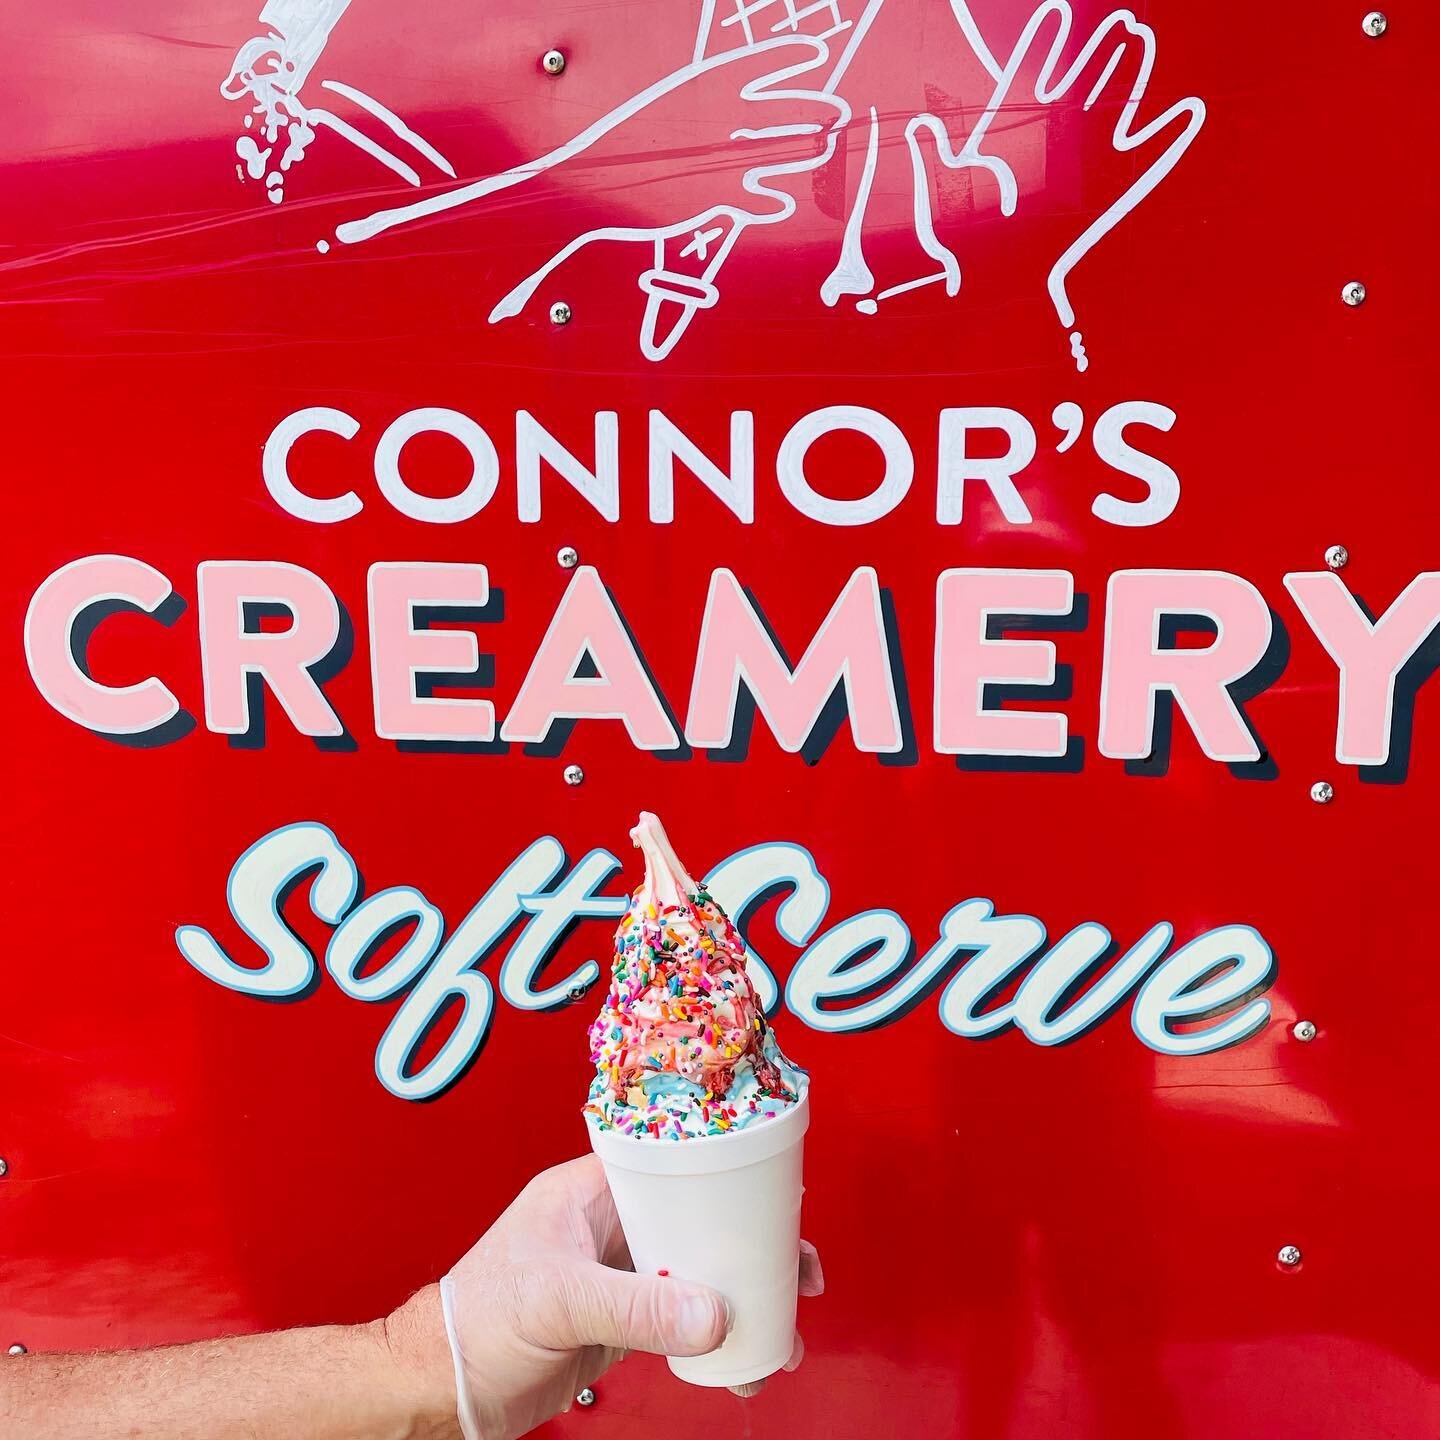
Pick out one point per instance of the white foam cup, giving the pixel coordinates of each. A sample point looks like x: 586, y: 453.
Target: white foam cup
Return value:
x: 724, y: 1211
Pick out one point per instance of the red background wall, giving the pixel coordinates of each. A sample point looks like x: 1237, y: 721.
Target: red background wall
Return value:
x: 1019, y: 1242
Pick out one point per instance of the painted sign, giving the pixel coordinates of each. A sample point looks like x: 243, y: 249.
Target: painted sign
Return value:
x: 941, y: 457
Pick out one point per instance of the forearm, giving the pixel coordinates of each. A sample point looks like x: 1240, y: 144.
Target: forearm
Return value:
x: 387, y: 1381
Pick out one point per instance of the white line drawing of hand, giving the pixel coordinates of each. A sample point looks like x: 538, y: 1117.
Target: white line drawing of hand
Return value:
x: 789, y: 63
x: 928, y: 143
x: 271, y: 70
x: 794, y: 131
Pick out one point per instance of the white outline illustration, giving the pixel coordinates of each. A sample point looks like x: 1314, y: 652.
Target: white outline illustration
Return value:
x: 813, y: 43
x: 271, y: 70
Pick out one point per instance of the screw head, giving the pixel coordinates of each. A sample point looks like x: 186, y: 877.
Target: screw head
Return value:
x: 1337, y: 557
x: 552, y: 62
x: 4, y: 1168
x: 560, y: 313
x: 1289, y: 1255
x: 1375, y: 24
x: 1322, y: 792
x: 1304, y: 1030
x: 567, y: 557
x: 17, y: 1349
x: 574, y: 775
x: 585, y: 1397
x: 577, y: 992
x: 1353, y: 293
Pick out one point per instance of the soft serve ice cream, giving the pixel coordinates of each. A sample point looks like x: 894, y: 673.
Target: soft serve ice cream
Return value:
x: 683, y: 1054
x: 681, y: 1047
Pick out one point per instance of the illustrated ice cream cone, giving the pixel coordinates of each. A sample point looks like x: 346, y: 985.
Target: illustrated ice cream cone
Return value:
x: 698, y: 1117
x: 683, y: 279
x: 682, y: 283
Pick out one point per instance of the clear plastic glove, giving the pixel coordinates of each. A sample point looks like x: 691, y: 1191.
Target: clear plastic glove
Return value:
x: 546, y: 1302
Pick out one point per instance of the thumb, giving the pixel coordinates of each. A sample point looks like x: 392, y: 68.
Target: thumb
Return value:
x: 615, y: 1308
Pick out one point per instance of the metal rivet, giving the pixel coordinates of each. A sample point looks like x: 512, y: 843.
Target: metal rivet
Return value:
x: 560, y: 313
x: 585, y: 1397
x: 567, y: 557
x: 1375, y: 24
x: 552, y: 62
x: 1289, y: 1255
x: 577, y: 992
x: 1322, y: 792
x: 574, y: 775
x: 17, y: 1349
x: 1304, y: 1030
x: 4, y: 1168
x: 1337, y: 557
x: 1353, y: 293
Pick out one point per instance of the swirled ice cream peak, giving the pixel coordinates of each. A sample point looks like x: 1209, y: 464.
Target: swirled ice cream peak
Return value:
x: 681, y: 1046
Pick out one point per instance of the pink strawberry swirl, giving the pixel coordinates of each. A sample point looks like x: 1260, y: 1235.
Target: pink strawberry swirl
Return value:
x: 681, y: 1046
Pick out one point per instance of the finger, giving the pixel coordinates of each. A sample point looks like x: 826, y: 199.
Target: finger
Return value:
x: 754, y: 1387
x: 792, y: 112
x: 585, y: 1171
x: 752, y: 69
x: 797, y: 1354
x: 594, y: 1305
x: 935, y: 151
x: 594, y: 1361
x: 812, y: 1277
x: 597, y: 1206
x: 792, y: 75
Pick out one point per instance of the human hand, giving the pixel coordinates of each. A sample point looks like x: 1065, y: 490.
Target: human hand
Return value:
x: 546, y: 1301
x: 1045, y: 115
x: 706, y: 147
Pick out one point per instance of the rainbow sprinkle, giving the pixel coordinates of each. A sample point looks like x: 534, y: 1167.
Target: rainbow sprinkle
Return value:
x: 681, y: 1046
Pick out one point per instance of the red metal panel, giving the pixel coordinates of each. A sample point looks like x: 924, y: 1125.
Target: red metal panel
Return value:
x: 1020, y: 1239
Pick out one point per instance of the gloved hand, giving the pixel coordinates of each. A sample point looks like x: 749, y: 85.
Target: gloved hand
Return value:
x: 546, y: 1301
